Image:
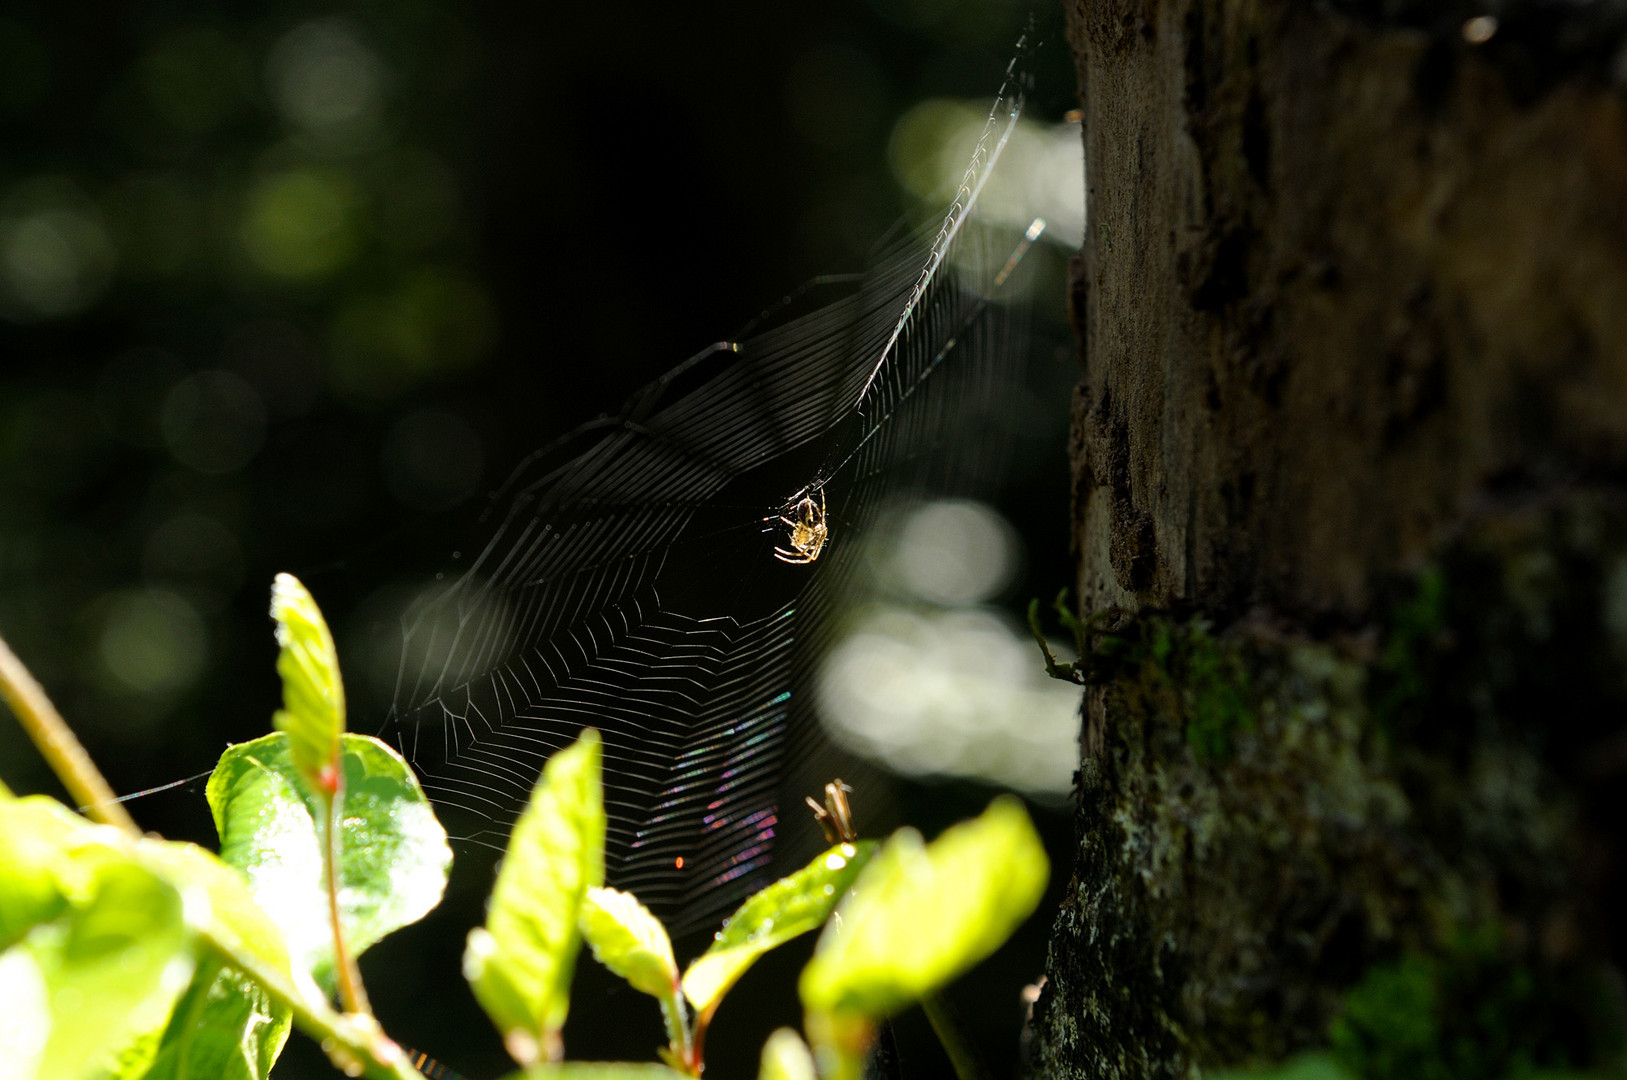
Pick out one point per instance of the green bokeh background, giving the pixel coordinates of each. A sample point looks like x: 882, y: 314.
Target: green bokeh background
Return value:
x: 290, y: 286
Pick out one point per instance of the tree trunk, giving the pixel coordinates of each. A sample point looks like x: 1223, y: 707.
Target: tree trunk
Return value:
x: 1350, y: 461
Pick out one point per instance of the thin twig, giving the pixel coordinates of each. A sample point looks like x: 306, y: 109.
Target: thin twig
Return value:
x: 58, y: 744
x: 1056, y: 670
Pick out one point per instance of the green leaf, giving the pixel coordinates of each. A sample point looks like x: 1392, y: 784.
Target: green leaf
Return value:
x: 786, y: 1057
x: 35, y: 836
x: 218, y: 900
x: 52, y: 865
x: 920, y: 915
x: 224, y: 1027
x: 135, y: 1060
x: 393, y: 857
x: 313, y: 712
x: 82, y: 992
x: 791, y: 906
x: 630, y: 941
x: 520, y: 964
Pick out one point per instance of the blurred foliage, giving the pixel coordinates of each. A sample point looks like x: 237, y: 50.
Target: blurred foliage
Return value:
x: 1473, y: 1013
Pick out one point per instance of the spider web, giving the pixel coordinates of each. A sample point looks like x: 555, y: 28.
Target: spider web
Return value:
x: 630, y: 583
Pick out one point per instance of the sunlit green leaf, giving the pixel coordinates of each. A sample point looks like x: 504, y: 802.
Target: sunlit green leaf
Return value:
x: 630, y: 941
x: 224, y: 1024
x: 920, y: 915
x: 227, y: 908
x: 394, y: 856
x: 313, y: 712
x: 25, y: 1012
x: 35, y: 835
x: 520, y: 964
x: 51, y: 866
x: 224, y: 1027
x: 786, y: 1057
x: 791, y: 906
x: 89, y: 986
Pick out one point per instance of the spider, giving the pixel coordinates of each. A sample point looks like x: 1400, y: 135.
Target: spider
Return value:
x: 836, y: 816
x: 809, y: 532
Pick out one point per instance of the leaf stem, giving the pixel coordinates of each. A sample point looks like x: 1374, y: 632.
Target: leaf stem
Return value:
x: 962, y: 1057
x: 57, y: 743
x: 355, y: 1044
x: 684, y: 1045
x: 352, y: 994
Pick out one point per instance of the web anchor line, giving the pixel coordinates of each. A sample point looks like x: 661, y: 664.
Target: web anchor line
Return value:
x: 971, y: 186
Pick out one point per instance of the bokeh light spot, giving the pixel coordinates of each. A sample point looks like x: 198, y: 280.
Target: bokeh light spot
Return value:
x: 1042, y: 171
x: 55, y: 255
x: 214, y: 422
x: 955, y: 551
x: 952, y: 693
x: 323, y: 79
x: 152, y: 641
x: 301, y: 224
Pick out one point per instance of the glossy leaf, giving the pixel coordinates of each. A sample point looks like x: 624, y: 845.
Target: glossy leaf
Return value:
x: 520, y: 964
x: 630, y: 941
x: 920, y: 915
x: 313, y: 712
x: 224, y: 1027
x: 789, y: 907
x: 394, y: 856
x: 92, y: 984
x: 786, y: 1057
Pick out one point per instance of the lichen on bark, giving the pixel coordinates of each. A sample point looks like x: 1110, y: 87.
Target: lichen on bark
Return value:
x: 1389, y: 792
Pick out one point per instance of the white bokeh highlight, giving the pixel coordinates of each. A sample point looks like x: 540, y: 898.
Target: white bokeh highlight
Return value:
x: 929, y: 682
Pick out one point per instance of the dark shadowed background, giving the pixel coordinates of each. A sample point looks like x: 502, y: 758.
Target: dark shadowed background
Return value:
x: 292, y: 286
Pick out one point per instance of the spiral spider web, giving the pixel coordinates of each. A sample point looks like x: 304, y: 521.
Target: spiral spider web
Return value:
x: 631, y: 584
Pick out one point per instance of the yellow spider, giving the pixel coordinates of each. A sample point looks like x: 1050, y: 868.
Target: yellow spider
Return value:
x: 808, y: 531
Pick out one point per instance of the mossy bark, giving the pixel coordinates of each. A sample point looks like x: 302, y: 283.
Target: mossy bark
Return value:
x: 1350, y: 459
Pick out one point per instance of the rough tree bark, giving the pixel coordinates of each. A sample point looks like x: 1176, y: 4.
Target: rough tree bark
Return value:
x: 1350, y: 459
